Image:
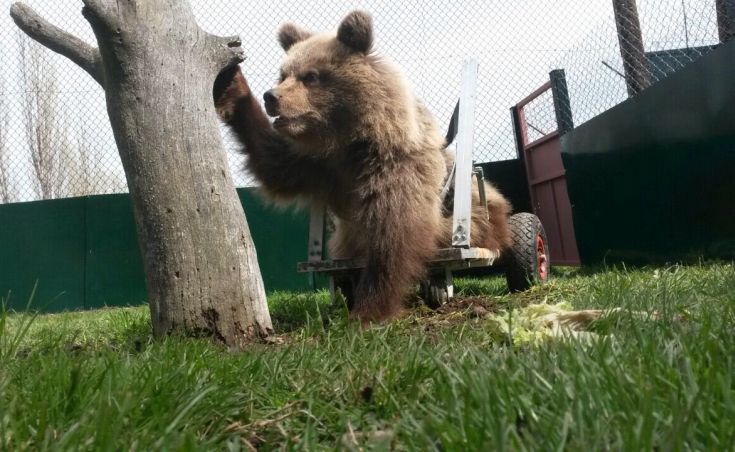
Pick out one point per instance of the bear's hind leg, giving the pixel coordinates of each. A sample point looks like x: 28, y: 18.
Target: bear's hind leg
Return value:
x: 492, y: 233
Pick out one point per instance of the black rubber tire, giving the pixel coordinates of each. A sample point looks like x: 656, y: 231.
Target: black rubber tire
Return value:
x: 522, y: 260
x: 345, y: 283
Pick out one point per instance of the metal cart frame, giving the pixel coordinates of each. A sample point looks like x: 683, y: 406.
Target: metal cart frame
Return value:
x: 438, y: 288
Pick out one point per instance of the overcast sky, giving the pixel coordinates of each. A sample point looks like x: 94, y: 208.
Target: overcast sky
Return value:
x: 516, y: 41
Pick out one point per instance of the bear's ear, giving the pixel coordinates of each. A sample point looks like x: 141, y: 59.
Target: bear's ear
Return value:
x: 289, y: 34
x: 356, y: 31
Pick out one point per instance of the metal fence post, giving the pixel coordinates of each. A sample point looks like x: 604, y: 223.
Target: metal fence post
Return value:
x: 631, y: 45
x: 517, y: 133
x: 562, y: 105
x: 725, y: 19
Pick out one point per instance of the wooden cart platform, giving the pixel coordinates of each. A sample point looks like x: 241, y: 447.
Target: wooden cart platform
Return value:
x: 451, y: 258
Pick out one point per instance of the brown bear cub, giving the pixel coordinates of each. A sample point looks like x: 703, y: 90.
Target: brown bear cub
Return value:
x: 349, y: 134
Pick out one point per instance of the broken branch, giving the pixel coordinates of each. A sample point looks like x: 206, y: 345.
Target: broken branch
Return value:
x: 58, y: 40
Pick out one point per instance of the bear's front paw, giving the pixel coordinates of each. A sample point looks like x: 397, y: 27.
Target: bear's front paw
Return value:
x: 229, y: 88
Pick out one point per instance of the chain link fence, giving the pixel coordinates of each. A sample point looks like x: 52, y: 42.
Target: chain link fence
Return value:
x: 56, y: 141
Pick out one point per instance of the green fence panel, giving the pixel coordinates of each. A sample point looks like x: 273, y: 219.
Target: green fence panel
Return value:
x: 43, y: 242
x: 114, y: 268
x: 653, y: 178
x: 281, y: 239
x: 84, y: 251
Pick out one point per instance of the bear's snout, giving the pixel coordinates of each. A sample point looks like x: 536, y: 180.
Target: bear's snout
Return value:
x: 271, y: 102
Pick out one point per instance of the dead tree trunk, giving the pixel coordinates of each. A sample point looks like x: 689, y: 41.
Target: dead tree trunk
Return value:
x: 631, y: 46
x: 157, y: 68
x: 725, y: 19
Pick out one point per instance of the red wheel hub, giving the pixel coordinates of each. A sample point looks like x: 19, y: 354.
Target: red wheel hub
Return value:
x: 542, y: 263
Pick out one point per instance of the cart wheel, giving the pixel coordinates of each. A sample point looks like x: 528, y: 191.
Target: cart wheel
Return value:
x: 527, y: 262
x: 437, y: 290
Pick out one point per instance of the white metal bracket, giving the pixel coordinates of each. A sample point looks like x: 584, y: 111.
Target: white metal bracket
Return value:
x: 462, y: 215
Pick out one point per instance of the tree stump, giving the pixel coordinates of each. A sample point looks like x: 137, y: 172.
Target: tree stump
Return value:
x: 157, y: 68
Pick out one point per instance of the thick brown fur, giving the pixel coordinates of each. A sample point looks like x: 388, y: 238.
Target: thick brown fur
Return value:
x: 349, y: 134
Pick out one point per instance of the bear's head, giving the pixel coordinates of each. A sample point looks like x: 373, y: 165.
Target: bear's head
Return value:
x: 330, y: 84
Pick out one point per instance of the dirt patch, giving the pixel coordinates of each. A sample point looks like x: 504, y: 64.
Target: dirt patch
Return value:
x: 458, y: 311
x: 473, y: 306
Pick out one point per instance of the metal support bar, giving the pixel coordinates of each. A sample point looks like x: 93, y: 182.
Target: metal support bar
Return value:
x: 316, y: 233
x: 537, y: 93
x: 480, y: 176
x: 462, y: 217
x: 449, y: 282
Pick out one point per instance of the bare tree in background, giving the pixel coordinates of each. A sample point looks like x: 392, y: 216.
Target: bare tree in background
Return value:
x: 82, y: 160
x: 43, y: 124
x: 7, y: 191
x: 61, y: 168
x: 91, y: 175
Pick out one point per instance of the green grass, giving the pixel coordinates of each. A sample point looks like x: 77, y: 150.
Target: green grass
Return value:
x: 453, y: 381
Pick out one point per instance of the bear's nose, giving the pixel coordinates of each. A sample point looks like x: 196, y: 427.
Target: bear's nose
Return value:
x: 271, y: 102
x: 270, y: 96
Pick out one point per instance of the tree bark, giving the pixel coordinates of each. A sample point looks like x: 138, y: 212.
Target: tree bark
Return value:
x: 637, y: 76
x: 157, y: 68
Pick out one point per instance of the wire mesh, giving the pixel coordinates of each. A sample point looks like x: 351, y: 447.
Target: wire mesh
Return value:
x: 56, y: 140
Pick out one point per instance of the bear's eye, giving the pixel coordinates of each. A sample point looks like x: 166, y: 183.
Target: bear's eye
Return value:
x: 310, y: 77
